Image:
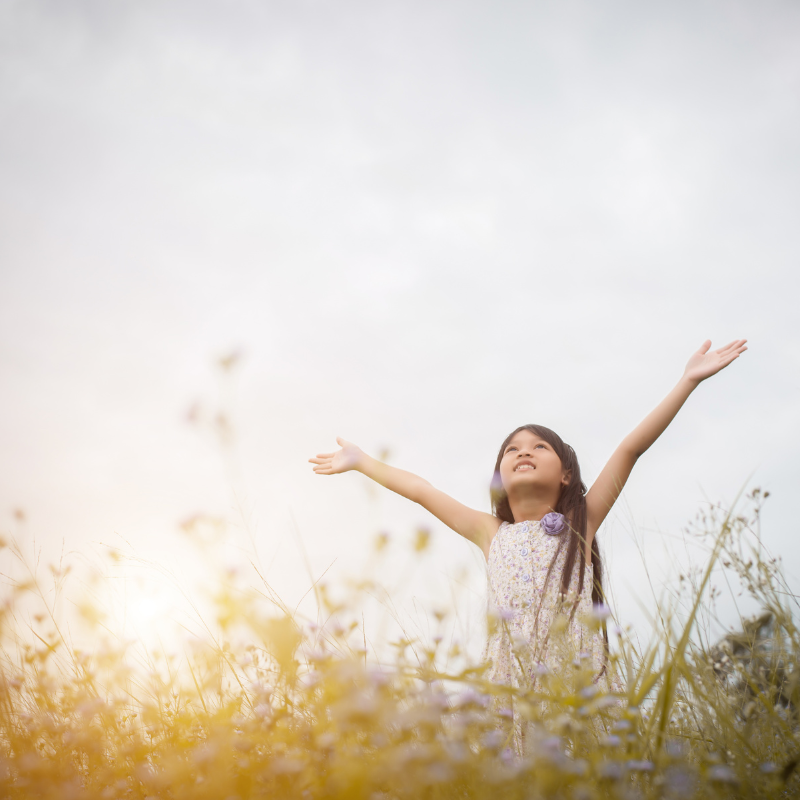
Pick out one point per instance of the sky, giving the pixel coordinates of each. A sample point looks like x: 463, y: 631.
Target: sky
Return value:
x: 419, y: 225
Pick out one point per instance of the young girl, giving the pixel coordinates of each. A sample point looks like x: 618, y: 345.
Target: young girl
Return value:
x: 540, y: 541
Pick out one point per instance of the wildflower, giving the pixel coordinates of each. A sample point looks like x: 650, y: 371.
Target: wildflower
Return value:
x: 377, y: 676
x: 88, y: 708
x: 565, y: 724
x: 640, y: 766
x: 439, y: 772
x: 496, y: 485
x: 468, y: 697
x: 606, y: 702
x: 283, y: 765
x: 679, y: 782
x: 675, y: 749
x: 610, y: 770
x: 507, y: 755
x: 326, y: 740
x: 413, y: 751
x: 381, y: 540
x: 579, y: 767
x: 493, y: 739
x: 359, y: 705
x: 436, y: 699
x: 380, y: 739
x: 722, y: 773
x: 310, y: 679
x: 456, y: 751
x: 260, y: 689
x: 416, y: 716
x: 552, y: 744
x: 318, y: 655
x: 422, y: 539
x: 600, y: 612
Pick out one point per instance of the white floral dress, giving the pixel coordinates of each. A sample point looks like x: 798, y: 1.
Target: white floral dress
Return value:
x: 524, y: 571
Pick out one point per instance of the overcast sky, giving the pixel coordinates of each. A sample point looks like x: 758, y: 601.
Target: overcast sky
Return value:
x: 423, y: 224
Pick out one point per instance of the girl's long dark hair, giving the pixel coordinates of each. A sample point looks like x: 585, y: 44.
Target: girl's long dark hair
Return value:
x: 572, y: 504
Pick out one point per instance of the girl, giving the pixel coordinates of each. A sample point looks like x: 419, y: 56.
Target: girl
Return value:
x: 540, y: 541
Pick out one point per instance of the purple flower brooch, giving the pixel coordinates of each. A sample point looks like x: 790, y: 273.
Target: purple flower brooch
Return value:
x: 553, y: 523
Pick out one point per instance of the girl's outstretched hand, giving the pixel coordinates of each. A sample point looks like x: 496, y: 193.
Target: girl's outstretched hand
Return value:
x: 341, y: 461
x: 703, y: 364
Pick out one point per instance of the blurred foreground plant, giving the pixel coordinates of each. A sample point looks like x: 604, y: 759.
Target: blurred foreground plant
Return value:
x: 299, y: 712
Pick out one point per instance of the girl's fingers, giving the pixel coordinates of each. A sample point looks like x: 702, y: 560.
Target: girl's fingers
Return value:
x: 734, y: 345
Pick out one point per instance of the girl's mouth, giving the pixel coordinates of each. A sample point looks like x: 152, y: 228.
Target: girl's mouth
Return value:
x: 523, y: 466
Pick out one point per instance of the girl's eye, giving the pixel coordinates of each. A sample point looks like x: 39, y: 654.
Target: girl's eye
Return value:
x: 539, y: 445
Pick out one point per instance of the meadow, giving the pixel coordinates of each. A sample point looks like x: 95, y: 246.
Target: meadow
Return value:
x: 297, y: 709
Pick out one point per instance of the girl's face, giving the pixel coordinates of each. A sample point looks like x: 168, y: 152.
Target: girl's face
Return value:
x: 530, y: 461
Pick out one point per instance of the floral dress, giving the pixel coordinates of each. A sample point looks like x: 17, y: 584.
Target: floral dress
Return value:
x: 524, y: 571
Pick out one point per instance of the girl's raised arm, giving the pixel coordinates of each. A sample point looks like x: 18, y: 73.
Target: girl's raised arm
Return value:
x: 606, y: 489
x: 476, y: 526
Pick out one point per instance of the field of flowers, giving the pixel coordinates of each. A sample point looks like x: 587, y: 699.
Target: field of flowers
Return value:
x: 301, y: 712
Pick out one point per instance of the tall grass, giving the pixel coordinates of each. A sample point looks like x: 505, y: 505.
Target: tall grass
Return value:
x: 298, y: 710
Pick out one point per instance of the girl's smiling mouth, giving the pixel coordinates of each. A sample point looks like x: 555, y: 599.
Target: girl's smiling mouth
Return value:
x: 524, y: 465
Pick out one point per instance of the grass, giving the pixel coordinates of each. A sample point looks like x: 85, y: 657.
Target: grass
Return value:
x: 297, y: 710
